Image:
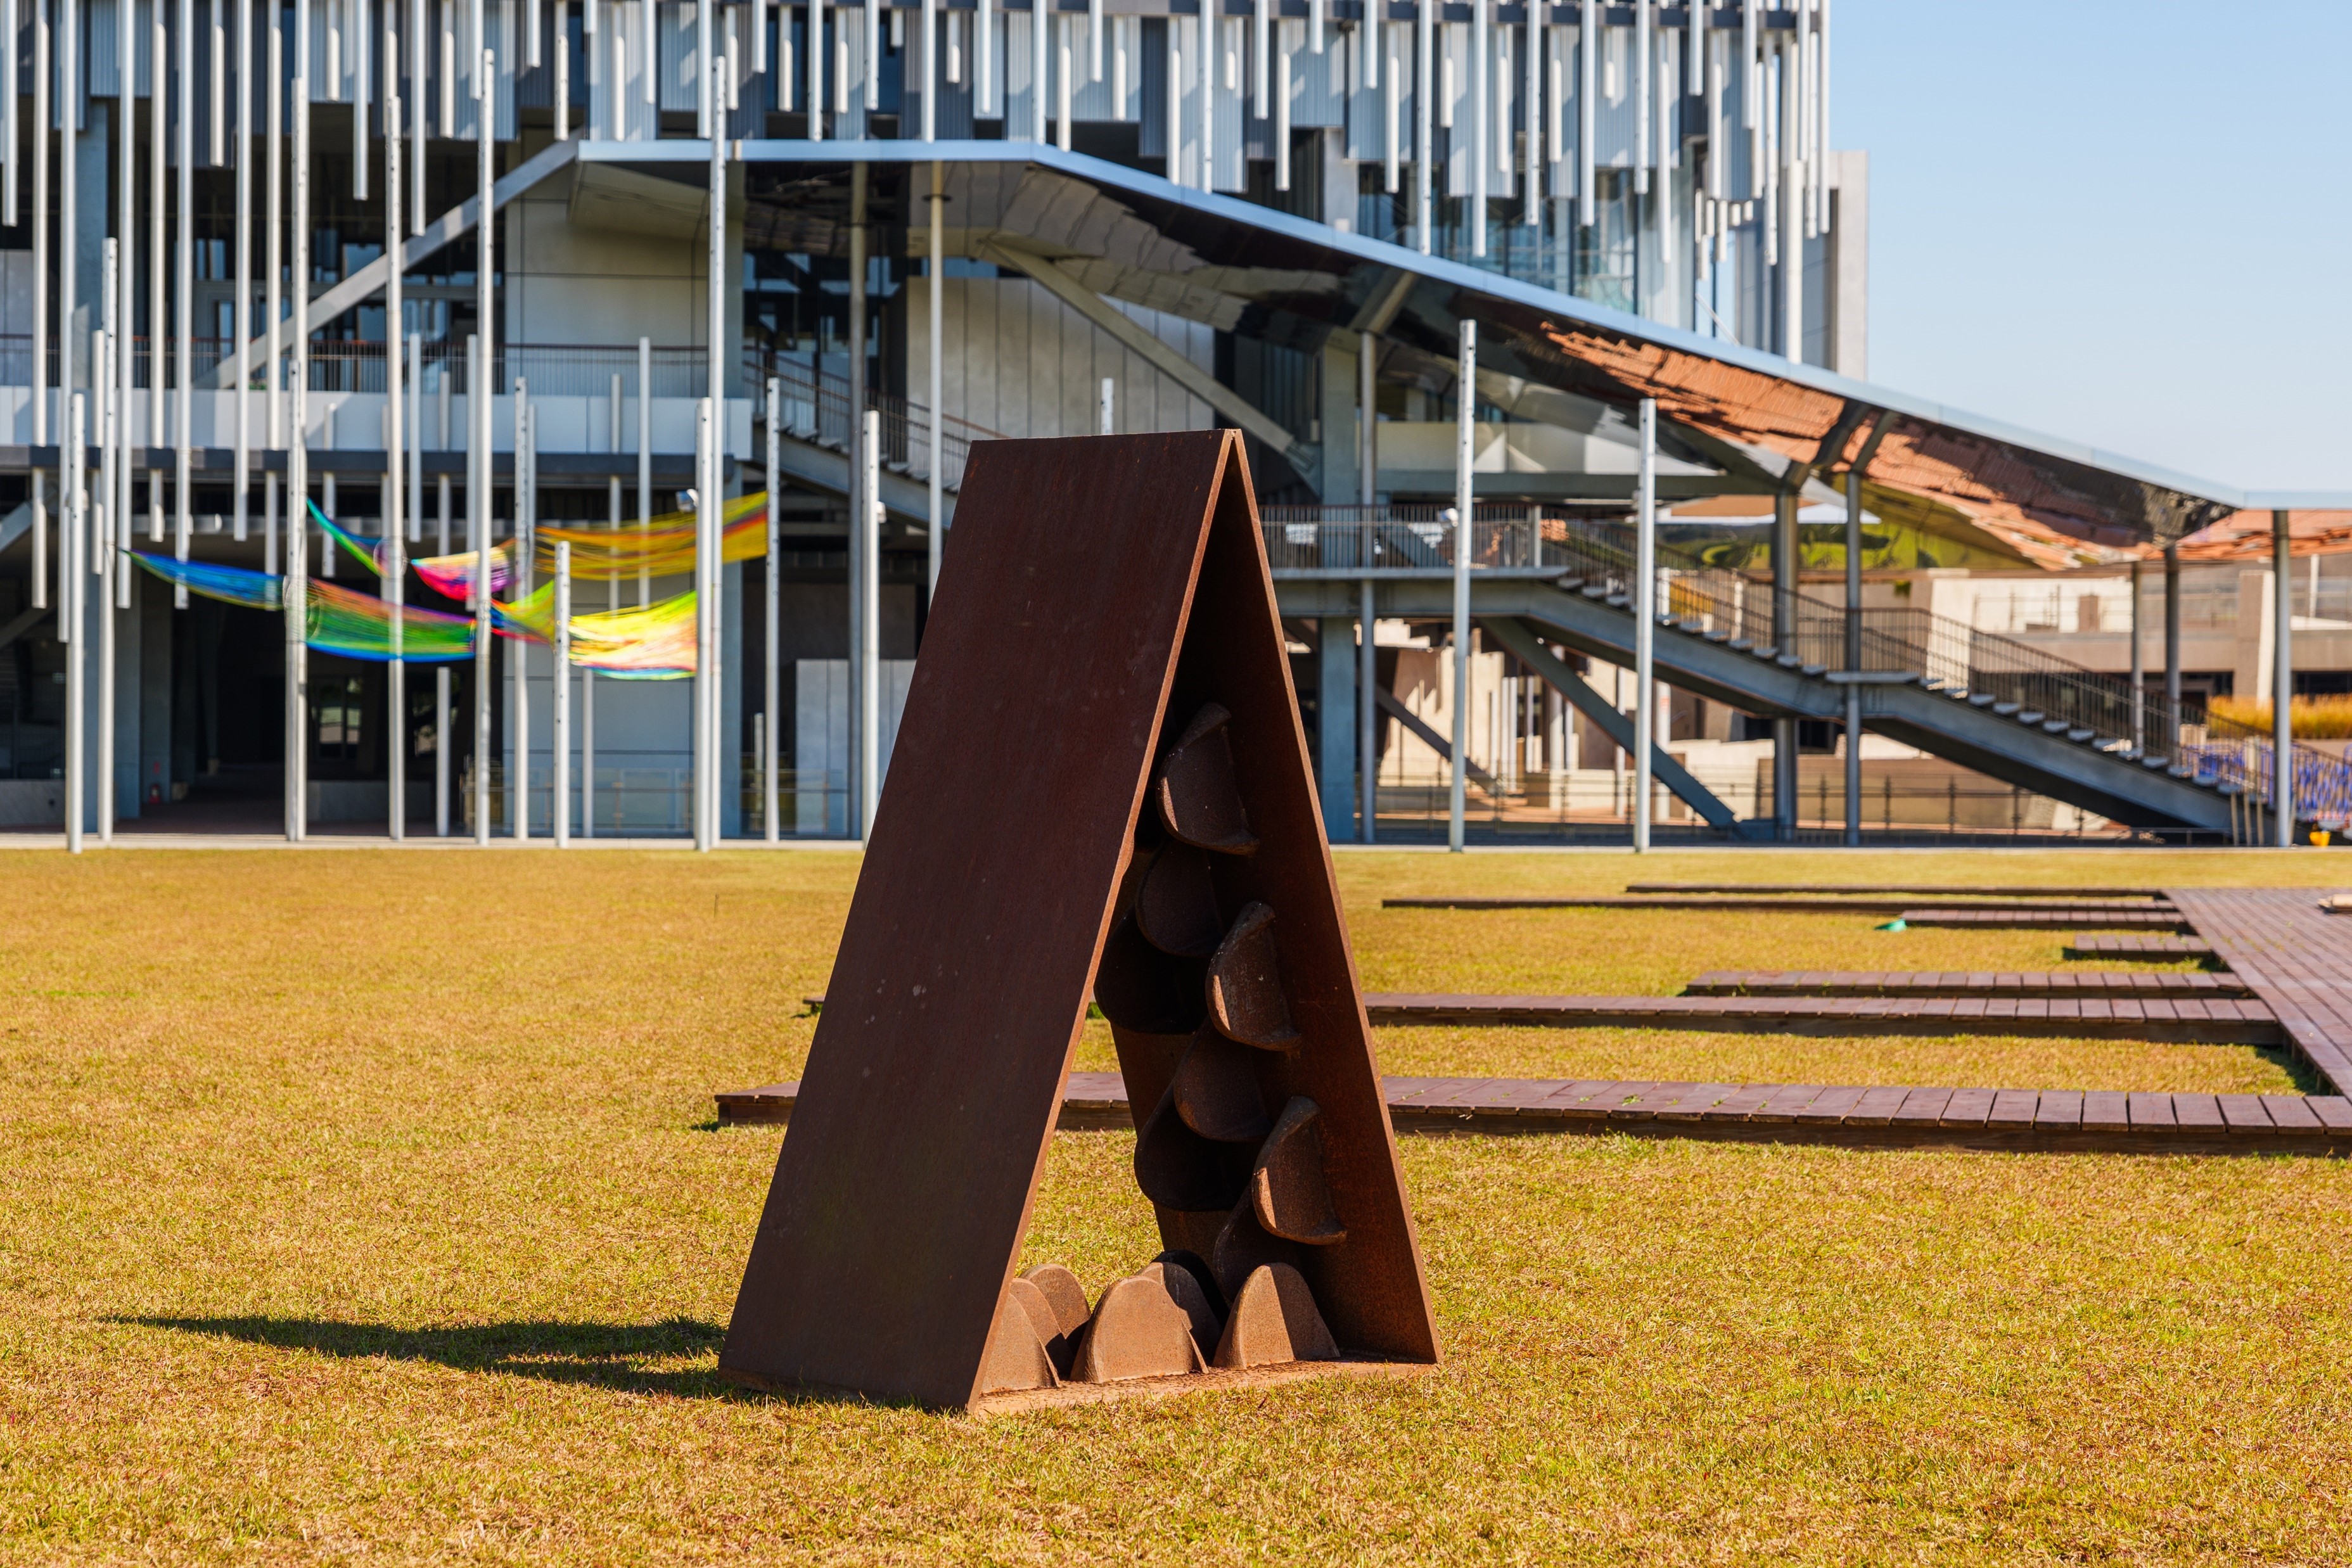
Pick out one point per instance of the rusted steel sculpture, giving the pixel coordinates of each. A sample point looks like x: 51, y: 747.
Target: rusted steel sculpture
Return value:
x: 1100, y: 788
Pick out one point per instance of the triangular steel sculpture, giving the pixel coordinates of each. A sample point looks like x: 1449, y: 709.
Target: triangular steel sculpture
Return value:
x: 1106, y: 600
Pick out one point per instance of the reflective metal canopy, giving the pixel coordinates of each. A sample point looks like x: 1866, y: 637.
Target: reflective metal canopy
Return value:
x: 1763, y: 421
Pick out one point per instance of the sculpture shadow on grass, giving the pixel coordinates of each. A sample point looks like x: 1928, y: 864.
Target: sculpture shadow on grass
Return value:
x: 621, y: 1356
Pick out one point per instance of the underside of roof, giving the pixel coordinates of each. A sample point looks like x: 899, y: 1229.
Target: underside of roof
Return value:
x: 1761, y: 423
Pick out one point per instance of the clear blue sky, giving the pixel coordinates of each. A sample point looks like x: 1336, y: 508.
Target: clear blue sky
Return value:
x: 2124, y: 223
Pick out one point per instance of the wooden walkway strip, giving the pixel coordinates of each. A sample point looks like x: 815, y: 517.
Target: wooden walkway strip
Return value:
x: 2208, y: 1019
x: 2125, y: 983
x: 2137, y: 946
x: 1849, y: 1116
x: 2138, y: 917
x: 2293, y: 955
x: 2127, y: 911
x: 2069, y: 893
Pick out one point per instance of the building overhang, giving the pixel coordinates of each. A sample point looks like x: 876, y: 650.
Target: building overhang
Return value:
x: 1763, y: 421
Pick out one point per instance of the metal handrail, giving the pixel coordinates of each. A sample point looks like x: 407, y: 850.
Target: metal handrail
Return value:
x: 2013, y: 678
x: 815, y: 407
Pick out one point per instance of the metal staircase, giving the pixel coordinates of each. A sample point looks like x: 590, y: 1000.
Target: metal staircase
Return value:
x: 2001, y: 707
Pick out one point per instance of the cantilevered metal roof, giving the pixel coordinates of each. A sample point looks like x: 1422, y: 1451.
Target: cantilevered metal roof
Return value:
x: 1762, y: 420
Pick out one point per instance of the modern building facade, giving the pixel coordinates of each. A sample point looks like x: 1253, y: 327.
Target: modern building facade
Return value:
x: 655, y: 257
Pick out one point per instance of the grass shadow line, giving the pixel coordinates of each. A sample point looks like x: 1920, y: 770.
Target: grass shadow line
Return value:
x: 603, y: 1356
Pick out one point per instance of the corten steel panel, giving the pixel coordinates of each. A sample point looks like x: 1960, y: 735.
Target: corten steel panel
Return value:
x: 903, y: 1189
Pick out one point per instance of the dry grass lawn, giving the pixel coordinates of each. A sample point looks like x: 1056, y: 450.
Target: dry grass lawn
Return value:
x: 360, y: 1205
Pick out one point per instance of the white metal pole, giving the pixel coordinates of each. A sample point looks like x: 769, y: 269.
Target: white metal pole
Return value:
x: 560, y: 816
x: 937, y: 521
x: 416, y: 117
x: 394, y: 506
x: 478, y: 515
x: 1041, y: 22
x: 1106, y: 412
x: 1210, y: 26
x: 483, y: 351
x: 441, y: 751
x: 295, y: 590
x: 1482, y: 121
x: 69, y: 458
x: 2282, y: 680
x: 184, y: 308
x: 123, y: 267
x: 1645, y: 623
x: 725, y: 759
x: 869, y: 660
x: 8, y: 119
x: 1368, y: 720
x: 101, y: 554
x: 1424, y: 132
x: 705, y: 751
x: 1064, y: 73
x: 770, y: 829
x: 645, y: 464
x: 816, y: 66
x: 241, y: 313
x: 520, y: 584
x: 413, y: 490
x: 39, y: 322
x: 931, y: 70
x: 1531, y: 202
x: 707, y: 101
x: 1368, y: 666
x: 272, y: 242
x: 1588, y: 90
x: 870, y: 47
x: 73, y: 594
x: 1465, y: 398
x: 853, y: 439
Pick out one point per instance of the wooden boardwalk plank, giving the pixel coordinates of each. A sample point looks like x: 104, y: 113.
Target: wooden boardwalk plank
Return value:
x: 2012, y: 1108
x: 2106, y: 1113
x: 1876, y: 1107
x: 1968, y: 1010
x: 1850, y: 1115
x: 2127, y: 984
x: 2293, y: 955
x: 1908, y: 891
x: 2137, y: 947
x: 2059, y: 1108
x: 2096, y: 913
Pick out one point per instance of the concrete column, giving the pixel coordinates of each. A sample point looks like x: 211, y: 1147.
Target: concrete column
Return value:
x: 1335, y: 417
x: 2282, y: 683
x: 1335, y: 727
x: 1784, y: 638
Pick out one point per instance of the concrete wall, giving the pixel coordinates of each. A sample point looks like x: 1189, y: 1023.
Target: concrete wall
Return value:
x: 1016, y: 361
